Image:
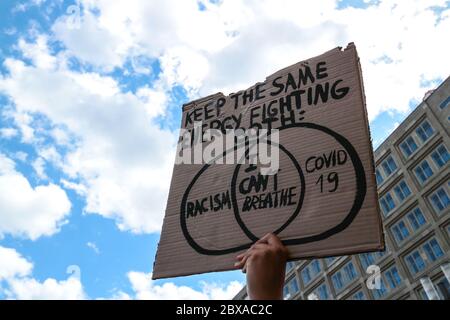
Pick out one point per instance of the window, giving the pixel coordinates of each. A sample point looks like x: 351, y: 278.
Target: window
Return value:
x: 402, y: 190
x: 350, y: 271
x: 422, y: 294
x: 286, y: 294
x: 293, y: 284
x: 379, y: 177
x: 370, y: 258
x: 416, y: 219
x: 424, y: 131
x: 430, y: 249
x: 311, y: 271
x: 400, y: 231
x: 306, y: 276
x: 415, y: 262
x: 315, y: 264
x: 322, y: 292
x: 443, y: 287
x: 359, y: 295
x: 407, y: 225
x: 408, y: 146
x: 440, y: 156
x: 433, y: 250
x: 389, y: 166
x: 387, y: 203
x: 337, y: 280
x: 290, y: 265
x: 393, y: 277
x: 344, y: 276
x: 329, y: 261
x: 291, y: 288
x: 379, y: 293
x: 440, y: 200
x: 367, y: 259
x: 381, y: 254
x: 445, y: 103
x: 423, y: 171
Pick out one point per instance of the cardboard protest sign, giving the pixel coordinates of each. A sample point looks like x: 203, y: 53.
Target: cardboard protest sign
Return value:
x: 291, y: 155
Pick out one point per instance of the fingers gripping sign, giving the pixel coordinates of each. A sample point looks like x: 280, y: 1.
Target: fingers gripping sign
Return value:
x: 264, y: 263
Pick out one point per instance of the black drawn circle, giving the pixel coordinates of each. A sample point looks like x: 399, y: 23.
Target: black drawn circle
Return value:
x: 361, y: 189
x: 236, y: 210
x: 185, y: 230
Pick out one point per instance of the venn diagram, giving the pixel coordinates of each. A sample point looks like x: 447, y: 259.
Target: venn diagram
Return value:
x: 240, y: 200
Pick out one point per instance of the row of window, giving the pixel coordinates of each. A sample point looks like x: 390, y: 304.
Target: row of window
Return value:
x: 387, y: 202
x: 393, y: 279
x: 416, y: 261
x: 341, y: 278
x: 439, y: 156
x: 311, y: 271
x: 370, y: 258
x: 439, y: 199
x: 408, y: 225
x: 344, y: 276
x: 427, y: 253
x: 445, y: 103
x: 389, y: 281
x: 389, y: 166
x: 290, y: 288
x: 423, y: 171
x: 409, y: 146
x: 419, y: 136
x: 441, y: 287
x: 321, y: 293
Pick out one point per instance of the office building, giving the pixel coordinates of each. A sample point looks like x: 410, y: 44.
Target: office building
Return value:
x: 412, y: 172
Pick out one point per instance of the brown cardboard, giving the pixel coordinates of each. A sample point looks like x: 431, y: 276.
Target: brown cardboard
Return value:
x: 321, y: 218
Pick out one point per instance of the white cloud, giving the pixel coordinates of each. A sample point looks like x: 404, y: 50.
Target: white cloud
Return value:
x: 38, y: 52
x: 10, y: 31
x: 8, y: 133
x: 120, y: 156
x: 50, y: 289
x: 26, y: 211
x: 79, y: 188
x: 119, y: 295
x: 61, y: 136
x: 12, y: 264
x: 93, y: 246
x: 23, y: 123
x: 16, y: 274
x: 90, y: 41
x: 20, y: 155
x: 145, y: 289
x: 155, y: 100
x: 221, y: 292
x: 234, y: 44
x: 39, y: 167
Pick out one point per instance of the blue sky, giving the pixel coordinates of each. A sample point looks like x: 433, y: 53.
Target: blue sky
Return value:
x: 90, y: 104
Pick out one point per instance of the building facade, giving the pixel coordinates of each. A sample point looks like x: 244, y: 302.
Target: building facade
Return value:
x: 412, y: 172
